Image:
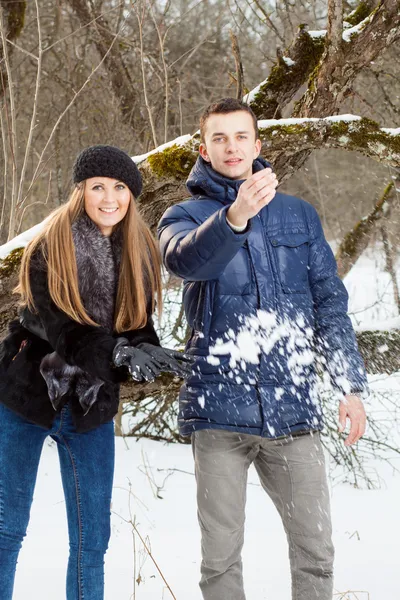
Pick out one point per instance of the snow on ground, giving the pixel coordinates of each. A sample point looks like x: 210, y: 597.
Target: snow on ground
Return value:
x: 366, y: 533
x: 366, y: 523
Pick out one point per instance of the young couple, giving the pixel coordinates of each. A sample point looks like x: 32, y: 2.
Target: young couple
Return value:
x: 88, y: 284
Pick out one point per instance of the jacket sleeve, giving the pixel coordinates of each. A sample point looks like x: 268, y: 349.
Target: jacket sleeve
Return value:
x: 335, y: 337
x: 198, y: 252
x: 145, y: 334
x: 85, y: 346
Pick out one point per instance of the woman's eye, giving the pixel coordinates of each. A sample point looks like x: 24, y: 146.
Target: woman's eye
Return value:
x: 120, y: 186
x: 97, y: 187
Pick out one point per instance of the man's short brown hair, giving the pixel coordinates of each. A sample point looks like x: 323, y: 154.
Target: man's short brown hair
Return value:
x: 224, y: 106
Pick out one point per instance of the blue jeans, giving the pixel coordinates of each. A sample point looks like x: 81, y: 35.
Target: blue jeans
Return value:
x: 87, y: 467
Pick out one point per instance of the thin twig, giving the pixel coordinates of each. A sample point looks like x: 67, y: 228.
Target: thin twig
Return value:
x: 27, y: 206
x: 33, y: 117
x: 140, y: 21
x: 13, y: 136
x: 5, y: 172
x: 161, y: 41
x: 22, y: 49
x: 269, y: 21
x: 239, y: 66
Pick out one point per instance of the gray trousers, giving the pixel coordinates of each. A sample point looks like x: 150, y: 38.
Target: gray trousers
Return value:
x: 292, y: 472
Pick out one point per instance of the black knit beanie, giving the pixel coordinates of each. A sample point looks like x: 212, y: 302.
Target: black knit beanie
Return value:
x: 108, y: 161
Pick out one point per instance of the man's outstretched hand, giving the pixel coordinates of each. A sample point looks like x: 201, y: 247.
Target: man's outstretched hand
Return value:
x: 352, y: 408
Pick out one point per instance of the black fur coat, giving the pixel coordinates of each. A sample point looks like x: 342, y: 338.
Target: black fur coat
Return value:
x: 22, y: 386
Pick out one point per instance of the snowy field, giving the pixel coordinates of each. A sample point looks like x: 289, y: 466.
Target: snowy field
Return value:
x: 161, y: 503
x: 366, y: 533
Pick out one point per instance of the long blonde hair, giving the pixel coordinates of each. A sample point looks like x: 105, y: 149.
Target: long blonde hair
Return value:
x: 140, y: 271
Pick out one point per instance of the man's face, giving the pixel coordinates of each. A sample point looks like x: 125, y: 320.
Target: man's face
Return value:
x: 230, y: 144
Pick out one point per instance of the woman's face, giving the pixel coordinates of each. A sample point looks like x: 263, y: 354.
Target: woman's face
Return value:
x: 106, y: 202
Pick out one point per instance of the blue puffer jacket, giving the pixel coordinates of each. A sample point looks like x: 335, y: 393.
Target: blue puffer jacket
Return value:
x: 262, y: 305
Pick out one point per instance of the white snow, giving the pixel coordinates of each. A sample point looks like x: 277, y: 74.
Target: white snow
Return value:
x: 265, y: 123
x: 20, y: 241
x: 179, y: 141
x: 317, y: 34
x: 348, y: 33
x: 251, y: 95
x: 288, y: 61
x: 366, y: 548
x: 387, y: 325
x: 391, y: 130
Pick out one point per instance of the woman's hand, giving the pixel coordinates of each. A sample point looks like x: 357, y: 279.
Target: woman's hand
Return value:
x: 168, y: 360
x: 141, y: 366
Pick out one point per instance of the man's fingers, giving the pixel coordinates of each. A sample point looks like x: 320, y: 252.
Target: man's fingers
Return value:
x: 265, y: 200
x: 264, y: 188
x: 253, y: 184
x: 351, y: 438
x: 268, y: 180
x: 258, y: 175
x: 362, y: 427
x: 342, y: 416
x: 358, y: 426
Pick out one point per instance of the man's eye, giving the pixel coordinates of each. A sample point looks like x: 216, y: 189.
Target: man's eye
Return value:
x: 218, y: 139
x: 242, y: 137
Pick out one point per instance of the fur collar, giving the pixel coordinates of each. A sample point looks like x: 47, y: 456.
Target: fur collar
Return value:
x: 98, y: 260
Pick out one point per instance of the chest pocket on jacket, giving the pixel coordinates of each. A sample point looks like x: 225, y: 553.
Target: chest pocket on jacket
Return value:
x: 291, y: 251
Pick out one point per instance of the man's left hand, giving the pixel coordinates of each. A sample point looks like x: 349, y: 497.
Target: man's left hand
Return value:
x: 353, y: 409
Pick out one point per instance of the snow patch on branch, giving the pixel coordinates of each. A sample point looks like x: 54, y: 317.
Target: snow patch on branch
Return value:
x: 391, y: 131
x: 265, y: 123
x: 349, y: 33
x: 317, y: 34
x: 179, y: 141
x: 288, y: 61
x: 252, y: 94
x: 22, y: 240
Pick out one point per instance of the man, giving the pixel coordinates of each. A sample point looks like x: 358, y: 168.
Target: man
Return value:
x: 262, y: 297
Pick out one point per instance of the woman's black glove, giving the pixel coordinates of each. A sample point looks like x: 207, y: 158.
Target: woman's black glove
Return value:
x: 167, y: 360
x: 141, y: 365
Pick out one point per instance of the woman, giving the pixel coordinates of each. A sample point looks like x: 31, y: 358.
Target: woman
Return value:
x: 88, y: 285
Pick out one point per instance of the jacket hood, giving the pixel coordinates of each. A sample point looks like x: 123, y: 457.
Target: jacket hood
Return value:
x: 203, y: 180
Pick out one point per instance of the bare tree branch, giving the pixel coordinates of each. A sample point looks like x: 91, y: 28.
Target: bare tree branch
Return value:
x: 11, y: 117
x: 334, y: 31
x: 357, y: 240
x: 239, y: 66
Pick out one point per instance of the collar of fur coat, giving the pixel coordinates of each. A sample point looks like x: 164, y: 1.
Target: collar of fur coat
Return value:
x: 98, y: 260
